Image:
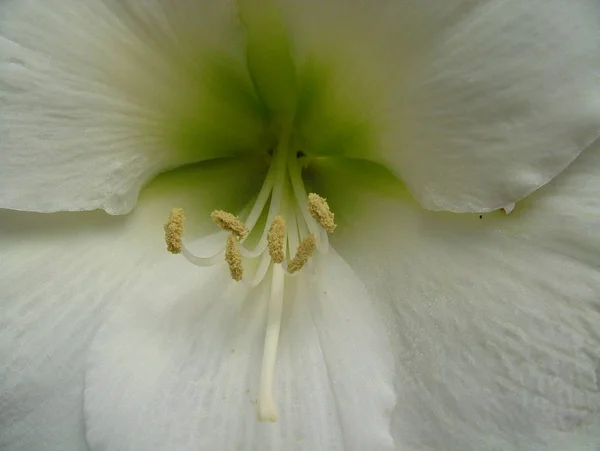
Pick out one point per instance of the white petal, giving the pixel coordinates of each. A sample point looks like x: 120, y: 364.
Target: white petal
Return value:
x: 498, y: 318
x: 177, y: 366
x: 97, y: 97
x: 474, y: 104
x: 60, y: 275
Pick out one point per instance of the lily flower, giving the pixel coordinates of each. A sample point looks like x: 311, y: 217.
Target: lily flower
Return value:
x: 385, y: 217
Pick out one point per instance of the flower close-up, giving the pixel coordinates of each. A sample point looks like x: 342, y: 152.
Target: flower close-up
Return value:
x: 299, y: 225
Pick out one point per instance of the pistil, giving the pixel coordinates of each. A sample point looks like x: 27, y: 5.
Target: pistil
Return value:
x: 267, y: 411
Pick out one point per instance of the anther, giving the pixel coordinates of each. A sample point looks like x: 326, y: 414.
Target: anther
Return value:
x: 234, y: 259
x: 229, y: 222
x: 305, y: 250
x: 174, y: 230
x: 319, y: 210
x: 276, y: 239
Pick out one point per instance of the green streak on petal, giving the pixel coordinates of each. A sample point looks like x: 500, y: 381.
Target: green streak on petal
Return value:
x: 361, y: 175
x: 269, y: 59
x: 222, y: 183
x: 221, y: 117
x: 328, y: 122
x: 346, y: 182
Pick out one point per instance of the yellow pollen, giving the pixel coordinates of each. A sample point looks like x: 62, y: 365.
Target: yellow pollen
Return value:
x: 234, y: 259
x: 305, y: 250
x: 276, y: 239
x: 174, y: 230
x: 319, y: 209
x: 229, y: 222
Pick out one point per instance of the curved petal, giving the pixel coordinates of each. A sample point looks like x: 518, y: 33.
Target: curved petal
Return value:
x: 60, y: 276
x: 473, y: 104
x: 497, y: 316
x: 97, y: 97
x: 177, y: 366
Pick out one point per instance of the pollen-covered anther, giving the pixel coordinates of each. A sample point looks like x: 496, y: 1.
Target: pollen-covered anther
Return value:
x: 305, y: 250
x: 233, y: 257
x: 319, y: 210
x: 229, y: 222
x: 174, y: 230
x: 276, y: 239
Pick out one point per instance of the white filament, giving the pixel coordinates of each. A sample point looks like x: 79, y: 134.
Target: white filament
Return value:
x: 203, y: 262
x: 261, y: 270
x: 279, y: 164
x: 261, y: 199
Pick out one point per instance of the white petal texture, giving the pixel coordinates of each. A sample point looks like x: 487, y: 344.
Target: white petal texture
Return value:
x: 177, y: 366
x: 97, y: 97
x: 473, y: 104
x: 60, y: 275
x: 498, y: 316
x: 495, y: 318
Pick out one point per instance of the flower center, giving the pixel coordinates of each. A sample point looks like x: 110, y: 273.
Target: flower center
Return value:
x: 295, y: 223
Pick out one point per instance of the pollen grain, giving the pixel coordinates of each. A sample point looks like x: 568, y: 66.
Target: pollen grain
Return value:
x: 319, y: 210
x: 276, y: 239
x: 229, y: 222
x: 174, y: 230
x: 305, y: 250
x: 233, y: 257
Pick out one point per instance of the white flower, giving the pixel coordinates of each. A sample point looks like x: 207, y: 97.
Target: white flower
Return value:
x: 430, y: 330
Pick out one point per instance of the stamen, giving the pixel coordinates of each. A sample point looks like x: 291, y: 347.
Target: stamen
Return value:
x: 234, y: 259
x: 174, y: 230
x: 229, y: 222
x: 277, y: 195
x: 319, y: 210
x: 295, y: 173
x: 303, y: 254
x: 202, y: 262
x: 276, y: 239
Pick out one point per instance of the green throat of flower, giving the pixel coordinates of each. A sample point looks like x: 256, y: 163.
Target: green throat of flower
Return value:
x: 284, y: 226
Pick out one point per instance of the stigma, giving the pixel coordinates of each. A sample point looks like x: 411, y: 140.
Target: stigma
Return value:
x: 295, y: 228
